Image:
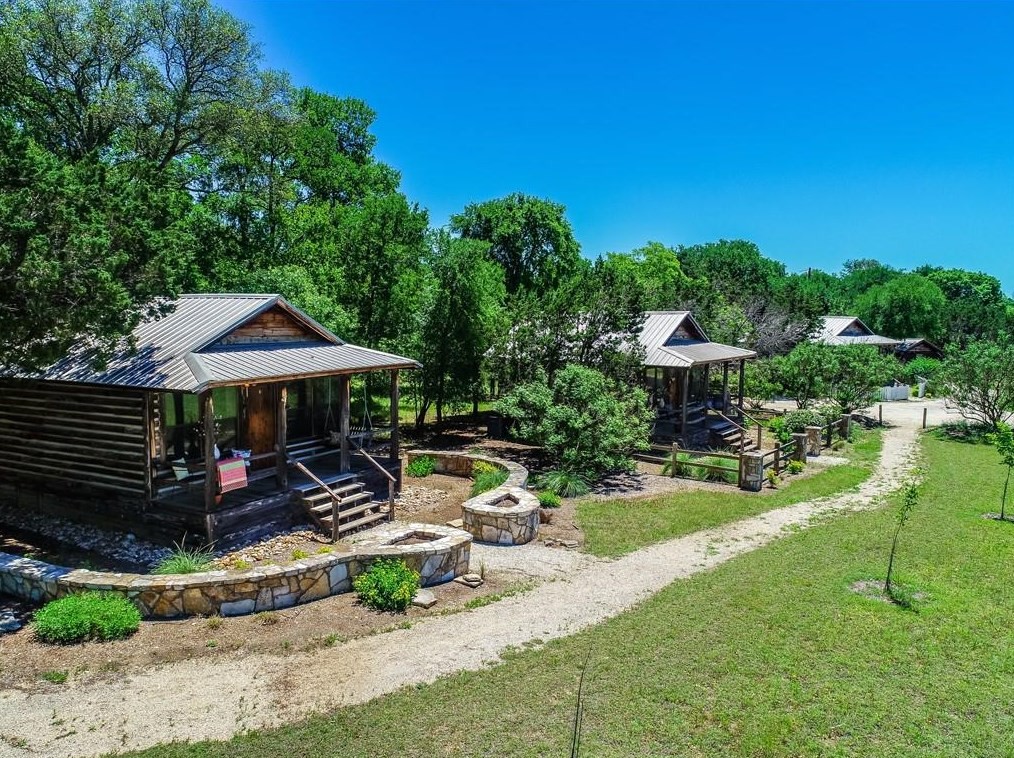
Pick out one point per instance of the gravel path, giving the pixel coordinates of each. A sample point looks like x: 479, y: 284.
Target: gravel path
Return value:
x: 200, y: 699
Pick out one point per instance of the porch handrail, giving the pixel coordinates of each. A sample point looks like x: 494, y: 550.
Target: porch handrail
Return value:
x: 391, y: 481
x: 335, y: 497
x: 719, y: 413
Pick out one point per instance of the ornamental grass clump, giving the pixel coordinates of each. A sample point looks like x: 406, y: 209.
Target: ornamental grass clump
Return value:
x: 564, y: 483
x: 549, y: 500
x: 87, y: 616
x: 185, y: 560
x: 387, y: 585
x: 488, y: 480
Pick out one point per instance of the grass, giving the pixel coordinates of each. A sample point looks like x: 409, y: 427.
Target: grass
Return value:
x: 184, y: 560
x: 769, y: 654
x: 615, y: 527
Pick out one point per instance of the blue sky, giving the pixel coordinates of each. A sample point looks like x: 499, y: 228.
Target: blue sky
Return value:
x: 822, y: 131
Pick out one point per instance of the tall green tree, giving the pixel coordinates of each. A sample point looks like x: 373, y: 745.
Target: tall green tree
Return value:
x: 464, y: 313
x: 979, y: 378
x: 975, y: 303
x: 909, y: 305
x: 529, y: 237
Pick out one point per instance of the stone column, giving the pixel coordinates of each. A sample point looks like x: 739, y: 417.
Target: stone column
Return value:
x: 845, y: 427
x: 813, y: 440
x: 751, y: 466
x: 799, y: 454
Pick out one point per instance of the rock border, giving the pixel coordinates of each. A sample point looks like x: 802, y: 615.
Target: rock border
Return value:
x: 485, y: 516
x: 237, y: 592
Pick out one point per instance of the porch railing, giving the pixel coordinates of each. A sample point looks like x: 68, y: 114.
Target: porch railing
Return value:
x: 391, y: 481
x: 335, y: 497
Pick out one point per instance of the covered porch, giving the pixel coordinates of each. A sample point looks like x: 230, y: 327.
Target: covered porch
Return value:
x: 240, y: 459
x: 693, y: 404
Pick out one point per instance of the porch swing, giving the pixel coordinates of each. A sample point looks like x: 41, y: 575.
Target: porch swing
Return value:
x: 362, y: 433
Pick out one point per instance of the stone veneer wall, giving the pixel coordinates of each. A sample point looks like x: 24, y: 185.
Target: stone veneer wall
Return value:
x: 232, y: 593
x: 507, y: 515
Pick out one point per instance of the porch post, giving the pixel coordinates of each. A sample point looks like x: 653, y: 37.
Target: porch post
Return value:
x: 742, y: 382
x: 395, y: 433
x: 683, y: 414
x: 281, y: 441
x: 725, y: 388
x: 210, y: 470
x: 344, y: 398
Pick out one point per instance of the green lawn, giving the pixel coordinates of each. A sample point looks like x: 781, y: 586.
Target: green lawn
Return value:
x: 769, y: 654
x: 614, y: 527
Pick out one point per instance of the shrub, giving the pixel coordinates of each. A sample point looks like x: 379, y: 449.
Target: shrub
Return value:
x: 797, y: 421
x: 979, y: 378
x: 421, y: 467
x: 488, y: 481
x: 298, y: 554
x: 780, y: 430
x: 387, y: 585
x: 89, y: 615
x: 796, y: 467
x: 587, y: 423
x: 564, y: 483
x: 483, y: 467
x: 549, y: 500
x: 185, y: 561
x: 772, y: 478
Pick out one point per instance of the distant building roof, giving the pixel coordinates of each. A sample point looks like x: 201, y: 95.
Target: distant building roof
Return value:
x: 919, y: 345
x: 849, y: 330
x: 188, y: 349
x: 674, y: 339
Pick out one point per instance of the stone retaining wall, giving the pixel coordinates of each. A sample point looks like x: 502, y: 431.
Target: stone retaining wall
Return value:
x: 235, y: 592
x: 507, y: 515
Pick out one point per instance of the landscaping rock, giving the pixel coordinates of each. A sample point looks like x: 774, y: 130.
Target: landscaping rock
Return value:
x: 470, y: 580
x: 456, y: 523
x: 8, y: 621
x: 424, y: 599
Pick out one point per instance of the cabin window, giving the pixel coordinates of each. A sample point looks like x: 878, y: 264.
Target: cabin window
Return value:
x: 183, y: 425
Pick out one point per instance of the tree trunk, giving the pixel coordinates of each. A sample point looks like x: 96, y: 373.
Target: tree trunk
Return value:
x: 890, y: 562
x: 1003, y: 500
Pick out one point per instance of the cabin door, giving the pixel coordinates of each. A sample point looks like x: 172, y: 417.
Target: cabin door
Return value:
x: 260, y: 421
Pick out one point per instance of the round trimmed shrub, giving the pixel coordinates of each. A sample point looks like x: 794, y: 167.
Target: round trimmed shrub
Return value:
x: 90, y: 615
x: 387, y: 585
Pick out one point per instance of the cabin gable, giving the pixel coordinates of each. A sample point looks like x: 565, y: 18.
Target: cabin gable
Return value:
x: 275, y: 325
x: 856, y: 329
x: 687, y: 330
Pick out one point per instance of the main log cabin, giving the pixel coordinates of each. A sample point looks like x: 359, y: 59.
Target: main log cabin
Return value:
x: 230, y: 417
x: 687, y: 377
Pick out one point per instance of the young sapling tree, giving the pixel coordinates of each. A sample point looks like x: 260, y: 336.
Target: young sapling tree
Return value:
x: 1003, y: 440
x: 909, y: 500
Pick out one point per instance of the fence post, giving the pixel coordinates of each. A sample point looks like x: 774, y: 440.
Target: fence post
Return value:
x: 760, y: 435
x: 827, y: 435
x: 924, y: 410
x: 799, y: 453
x: 813, y: 434
x: 778, y: 458
x: 845, y: 429
x: 751, y: 467
x: 881, y: 414
x: 672, y: 464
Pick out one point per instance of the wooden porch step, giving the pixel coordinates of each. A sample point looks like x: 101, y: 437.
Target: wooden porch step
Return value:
x: 341, y: 492
x: 330, y: 481
x: 324, y: 509
x: 369, y: 518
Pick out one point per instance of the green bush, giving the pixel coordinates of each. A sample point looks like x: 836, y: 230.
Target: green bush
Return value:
x: 796, y: 467
x: 549, y: 500
x: 797, y: 421
x: 483, y: 467
x: 89, y: 615
x: 421, y: 467
x: 387, y: 585
x: 587, y: 423
x: 185, y: 561
x: 488, y: 480
x: 564, y: 483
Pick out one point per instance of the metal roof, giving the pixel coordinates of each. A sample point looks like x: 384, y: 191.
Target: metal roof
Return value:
x: 664, y: 349
x: 830, y: 333
x: 178, y: 352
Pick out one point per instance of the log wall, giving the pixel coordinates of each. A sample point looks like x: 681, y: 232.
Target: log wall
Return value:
x: 76, y: 451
